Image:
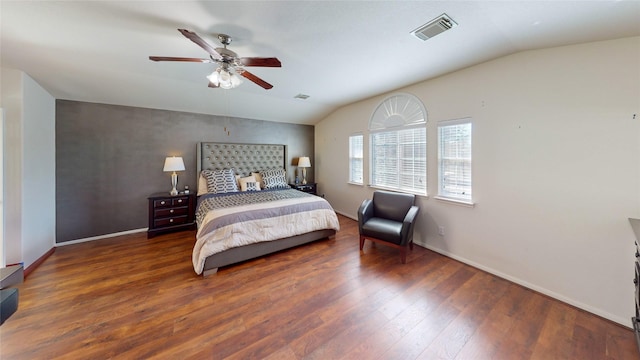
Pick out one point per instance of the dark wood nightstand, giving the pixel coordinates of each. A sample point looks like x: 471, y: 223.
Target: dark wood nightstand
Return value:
x: 169, y: 213
x: 310, y: 188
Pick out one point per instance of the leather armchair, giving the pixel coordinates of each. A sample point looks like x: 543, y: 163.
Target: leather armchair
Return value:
x: 388, y: 219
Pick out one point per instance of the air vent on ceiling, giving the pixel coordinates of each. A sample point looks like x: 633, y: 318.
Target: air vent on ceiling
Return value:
x: 434, y: 27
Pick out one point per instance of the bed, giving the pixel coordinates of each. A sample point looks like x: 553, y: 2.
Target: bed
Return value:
x: 234, y: 226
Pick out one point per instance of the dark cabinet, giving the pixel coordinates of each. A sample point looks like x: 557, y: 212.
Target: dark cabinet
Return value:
x: 169, y: 213
x: 310, y: 188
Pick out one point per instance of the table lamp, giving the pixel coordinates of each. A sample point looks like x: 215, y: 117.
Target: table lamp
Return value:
x: 304, y: 163
x: 173, y: 164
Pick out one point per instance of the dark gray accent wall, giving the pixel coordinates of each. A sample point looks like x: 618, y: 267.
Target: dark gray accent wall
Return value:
x: 109, y: 159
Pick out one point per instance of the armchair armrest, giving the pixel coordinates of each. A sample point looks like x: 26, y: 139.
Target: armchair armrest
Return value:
x: 408, y: 223
x: 365, y: 212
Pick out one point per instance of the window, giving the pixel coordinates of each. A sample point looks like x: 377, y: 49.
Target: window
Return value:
x: 356, y: 158
x: 399, y: 145
x: 399, y: 160
x: 454, y: 160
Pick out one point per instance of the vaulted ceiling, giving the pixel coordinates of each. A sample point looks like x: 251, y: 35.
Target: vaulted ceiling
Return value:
x: 337, y: 52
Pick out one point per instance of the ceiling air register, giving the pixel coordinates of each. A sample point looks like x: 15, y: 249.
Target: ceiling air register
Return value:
x: 434, y: 27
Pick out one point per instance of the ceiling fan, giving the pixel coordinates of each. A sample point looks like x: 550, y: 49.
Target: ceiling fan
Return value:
x: 224, y: 75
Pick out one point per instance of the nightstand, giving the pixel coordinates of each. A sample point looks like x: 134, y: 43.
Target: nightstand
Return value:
x: 169, y: 213
x: 310, y: 188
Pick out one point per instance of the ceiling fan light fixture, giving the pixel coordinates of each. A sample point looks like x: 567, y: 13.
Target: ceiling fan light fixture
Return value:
x: 235, y: 80
x: 214, y: 77
x: 224, y: 78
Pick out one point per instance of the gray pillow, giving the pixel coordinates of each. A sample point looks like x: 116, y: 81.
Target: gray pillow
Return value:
x: 274, y: 179
x: 221, y: 181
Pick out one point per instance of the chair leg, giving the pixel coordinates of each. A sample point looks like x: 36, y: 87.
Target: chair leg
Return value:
x: 402, y: 248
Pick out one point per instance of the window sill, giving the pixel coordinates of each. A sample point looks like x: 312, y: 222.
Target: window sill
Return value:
x: 397, y: 190
x: 460, y: 202
x: 354, y: 183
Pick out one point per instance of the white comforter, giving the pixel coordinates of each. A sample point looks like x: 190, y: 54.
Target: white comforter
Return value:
x: 229, y: 227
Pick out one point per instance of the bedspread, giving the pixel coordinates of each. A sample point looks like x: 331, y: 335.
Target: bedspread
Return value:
x: 231, y: 220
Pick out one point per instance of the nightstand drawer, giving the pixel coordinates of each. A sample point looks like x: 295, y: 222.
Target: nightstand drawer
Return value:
x: 163, y: 203
x: 178, y: 220
x: 181, y: 201
x: 161, y: 213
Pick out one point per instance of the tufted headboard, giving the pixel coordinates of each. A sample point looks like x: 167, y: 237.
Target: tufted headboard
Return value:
x: 243, y: 158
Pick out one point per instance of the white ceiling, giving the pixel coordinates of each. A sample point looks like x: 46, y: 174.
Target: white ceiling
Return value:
x: 337, y: 52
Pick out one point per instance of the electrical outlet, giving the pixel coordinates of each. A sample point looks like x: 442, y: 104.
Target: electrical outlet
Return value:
x: 441, y: 230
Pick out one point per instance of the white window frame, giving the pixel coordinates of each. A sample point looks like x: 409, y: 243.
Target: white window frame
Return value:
x: 356, y: 157
x: 396, y: 165
x: 455, y: 182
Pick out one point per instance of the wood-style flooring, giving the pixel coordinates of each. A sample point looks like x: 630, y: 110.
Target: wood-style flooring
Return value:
x: 133, y: 298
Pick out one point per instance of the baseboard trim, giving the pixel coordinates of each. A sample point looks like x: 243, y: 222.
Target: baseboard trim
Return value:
x: 37, y: 263
x: 346, y: 215
x: 605, y: 315
x: 106, y: 236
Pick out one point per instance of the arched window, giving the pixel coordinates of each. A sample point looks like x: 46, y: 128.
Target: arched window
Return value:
x: 398, y: 143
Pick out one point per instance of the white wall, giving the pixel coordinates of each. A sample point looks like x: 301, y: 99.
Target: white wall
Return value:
x: 11, y: 97
x: 556, y: 169
x: 29, y: 168
x: 38, y: 172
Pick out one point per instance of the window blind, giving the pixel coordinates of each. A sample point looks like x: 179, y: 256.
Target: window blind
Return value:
x: 454, y: 159
x: 399, y: 159
x: 356, y: 158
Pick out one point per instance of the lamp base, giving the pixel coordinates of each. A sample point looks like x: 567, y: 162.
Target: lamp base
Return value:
x: 174, y: 183
x: 304, y: 176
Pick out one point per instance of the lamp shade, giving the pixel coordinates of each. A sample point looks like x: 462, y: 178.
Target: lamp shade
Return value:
x: 304, y: 161
x: 173, y: 163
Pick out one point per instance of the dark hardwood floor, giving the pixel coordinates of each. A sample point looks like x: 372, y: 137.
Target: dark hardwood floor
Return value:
x: 134, y: 298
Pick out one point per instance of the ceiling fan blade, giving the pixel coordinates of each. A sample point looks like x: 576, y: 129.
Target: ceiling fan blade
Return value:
x: 260, y: 61
x: 171, y: 58
x: 200, y: 42
x: 212, y: 85
x: 254, y: 78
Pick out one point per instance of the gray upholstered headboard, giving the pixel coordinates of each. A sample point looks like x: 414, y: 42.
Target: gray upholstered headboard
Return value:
x: 243, y: 158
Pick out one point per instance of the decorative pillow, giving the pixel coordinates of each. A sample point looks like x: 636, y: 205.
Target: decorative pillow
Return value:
x: 252, y: 186
x: 258, y: 177
x: 274, y: 179
x: 202, y: 184
x: 220, y: 181
x: 249, y: 183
